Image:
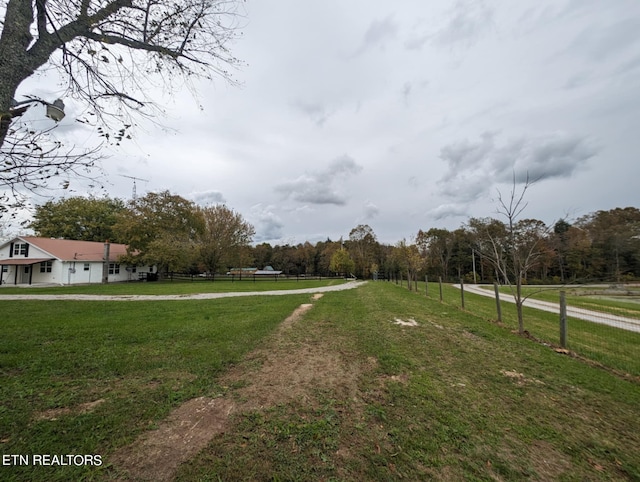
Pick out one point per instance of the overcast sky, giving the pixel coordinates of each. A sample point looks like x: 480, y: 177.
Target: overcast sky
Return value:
x: 405, y: 115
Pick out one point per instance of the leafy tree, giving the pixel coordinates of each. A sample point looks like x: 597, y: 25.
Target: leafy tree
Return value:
x: 409, y: 260
x: 284, y: 259
x: 436, y: 246
x: 325, y: 251
x: 615, y: 237
x: 559, y: 242
x: 107, y: 53
x: 262, y: 255
x: 80, y: 218
x: 341, y: 262
x: 161, y: 229
x: 362, y: 247
x: 224, y: 233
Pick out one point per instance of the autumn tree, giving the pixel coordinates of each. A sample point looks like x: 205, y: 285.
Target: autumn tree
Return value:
x: 325, y: 251
x: 224, y: 233
x: 262, y: 254
x: 409, y: 260
x: 342, y: 263
x: 362, y: 246
x: 79, y: 218
x: 106, y: 53
x: 161, y: 229
x: 615, y: 241
x: 436, y: 247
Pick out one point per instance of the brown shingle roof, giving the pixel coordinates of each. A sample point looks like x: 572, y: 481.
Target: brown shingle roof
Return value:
x: 70, y: 250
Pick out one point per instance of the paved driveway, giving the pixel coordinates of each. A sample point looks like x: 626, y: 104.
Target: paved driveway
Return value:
x: 622, y: 322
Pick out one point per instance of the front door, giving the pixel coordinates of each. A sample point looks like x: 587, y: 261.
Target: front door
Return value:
x: 26, y: 271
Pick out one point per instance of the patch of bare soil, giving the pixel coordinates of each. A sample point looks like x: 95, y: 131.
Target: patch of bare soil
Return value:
x: 157, y: 454
x: 281, y: 372
x: 56, y: 413
x: 548, y: 462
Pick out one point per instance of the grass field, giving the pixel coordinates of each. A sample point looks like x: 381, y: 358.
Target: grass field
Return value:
x: 614, y: 348
x: 456, y: 397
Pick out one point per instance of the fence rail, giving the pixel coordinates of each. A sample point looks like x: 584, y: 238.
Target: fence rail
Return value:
x: 602, y: 325
x: 234, y: 278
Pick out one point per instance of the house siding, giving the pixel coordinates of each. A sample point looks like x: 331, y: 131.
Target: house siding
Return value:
x: 63, y: 272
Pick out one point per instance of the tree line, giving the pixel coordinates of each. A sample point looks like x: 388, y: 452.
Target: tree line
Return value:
x: 179, y: 236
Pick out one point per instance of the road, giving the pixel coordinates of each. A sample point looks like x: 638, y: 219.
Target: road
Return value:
x: 622, y: 322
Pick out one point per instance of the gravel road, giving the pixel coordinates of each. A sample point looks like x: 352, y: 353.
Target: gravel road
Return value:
x: 196, y: 296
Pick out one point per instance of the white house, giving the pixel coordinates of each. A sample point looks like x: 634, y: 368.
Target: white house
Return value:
x: 30, y: 260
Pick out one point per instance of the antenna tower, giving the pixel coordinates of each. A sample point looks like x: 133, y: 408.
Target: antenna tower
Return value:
x: 133, y: 191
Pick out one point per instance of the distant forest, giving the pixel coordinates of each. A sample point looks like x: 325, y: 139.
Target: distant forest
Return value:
x: 179, y: 236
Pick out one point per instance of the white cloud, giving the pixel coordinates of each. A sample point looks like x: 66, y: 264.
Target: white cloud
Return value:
x: 441, y: 104
x: 321, y: 187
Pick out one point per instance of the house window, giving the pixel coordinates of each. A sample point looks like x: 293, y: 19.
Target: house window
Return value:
x: 45, y: 267
x: 114, y: 268
x: 5, y: 268
x: 20, y: 249
x: 86, y: 266
x: 133, y: 269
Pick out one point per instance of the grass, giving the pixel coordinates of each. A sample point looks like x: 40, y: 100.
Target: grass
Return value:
x: 615, y: 348
x: 172, y: 287
x: 141, y: 359
x: 457, y: 397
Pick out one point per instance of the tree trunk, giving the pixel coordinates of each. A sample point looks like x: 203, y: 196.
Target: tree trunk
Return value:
x: 519, y: 302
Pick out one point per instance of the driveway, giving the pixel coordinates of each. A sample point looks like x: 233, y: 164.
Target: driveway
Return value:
x: 195, y: 296
x: 622, y: 322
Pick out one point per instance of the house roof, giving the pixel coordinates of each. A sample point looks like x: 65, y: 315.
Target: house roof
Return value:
x: 72, y: 250
x: 23, y: 261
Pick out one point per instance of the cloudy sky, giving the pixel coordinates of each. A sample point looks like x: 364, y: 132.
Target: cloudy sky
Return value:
x: 405, y: 115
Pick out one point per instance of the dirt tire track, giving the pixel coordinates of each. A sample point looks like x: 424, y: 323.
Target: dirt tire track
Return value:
x: 286, y: 372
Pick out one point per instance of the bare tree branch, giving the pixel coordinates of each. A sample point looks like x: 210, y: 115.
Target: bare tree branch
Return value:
x: 106, y: 52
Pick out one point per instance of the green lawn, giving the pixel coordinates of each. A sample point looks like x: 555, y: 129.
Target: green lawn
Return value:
x: 457, y: 397
x: 141, y: 359
x: 615, y: 348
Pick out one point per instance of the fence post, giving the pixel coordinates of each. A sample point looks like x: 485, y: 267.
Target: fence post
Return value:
x: 462, y: 292
x: 498, y: 307
x: 440, y: 283
x: 563, y: 320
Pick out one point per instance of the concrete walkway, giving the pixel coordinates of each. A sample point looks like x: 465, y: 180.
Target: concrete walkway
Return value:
x: 621, y: 322
x: 195, y: 296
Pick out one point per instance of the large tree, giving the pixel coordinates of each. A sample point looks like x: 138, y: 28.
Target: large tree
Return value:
x: 342, y: 263
x: 362, y: 246
x: 436, y: 246
x: 81, y: 218
x: 105, y: 52
x: 162, y: 229
x: 225, y: 233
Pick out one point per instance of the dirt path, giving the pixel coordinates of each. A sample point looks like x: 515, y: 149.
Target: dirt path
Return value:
x: 283, y: 370
x: 195, y: 296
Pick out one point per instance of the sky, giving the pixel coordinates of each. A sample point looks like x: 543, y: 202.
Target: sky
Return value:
x: 403, y: 115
